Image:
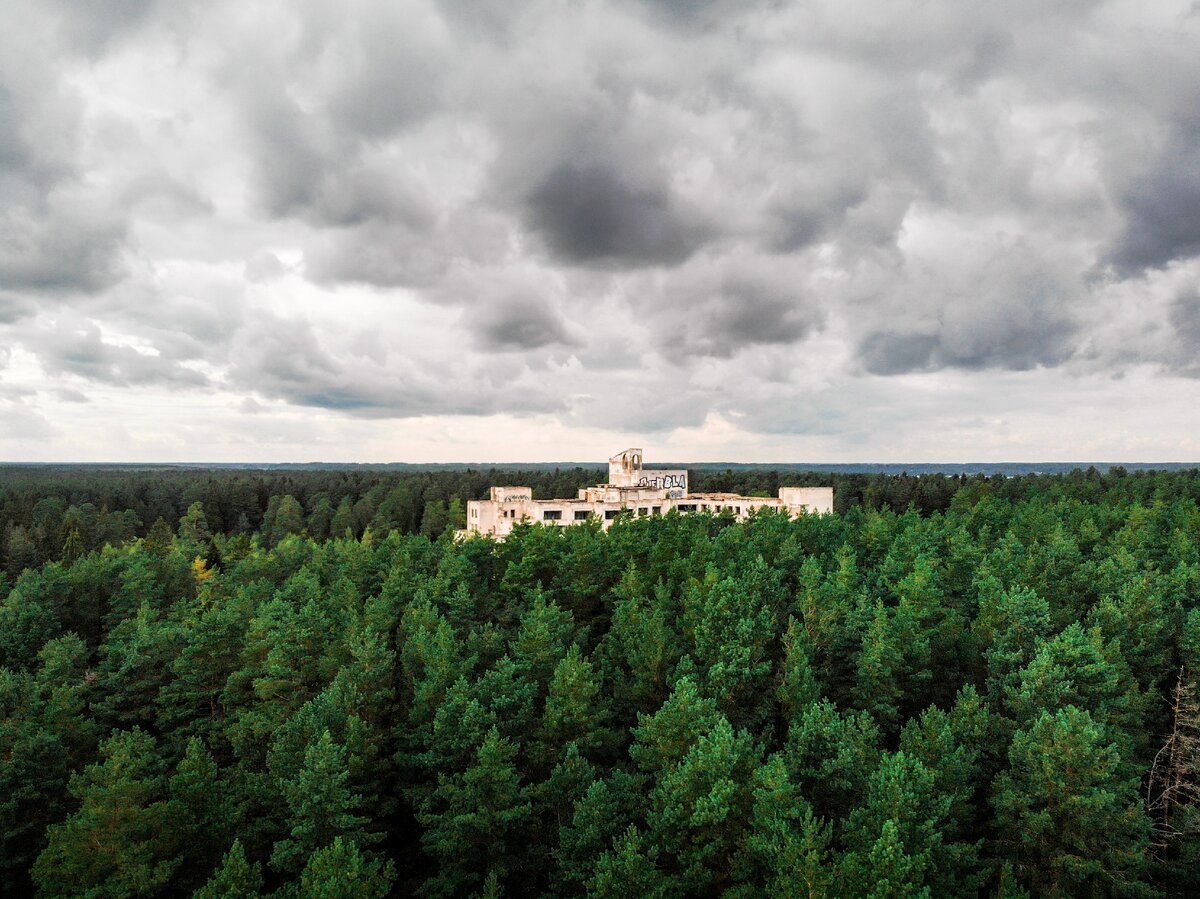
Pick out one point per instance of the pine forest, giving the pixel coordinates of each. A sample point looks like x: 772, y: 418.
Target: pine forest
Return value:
x: 229, y: 683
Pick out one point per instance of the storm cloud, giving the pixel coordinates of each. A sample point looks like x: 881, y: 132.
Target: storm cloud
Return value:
x: 710, y: 221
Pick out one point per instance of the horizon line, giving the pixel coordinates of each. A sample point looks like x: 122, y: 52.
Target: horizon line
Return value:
x: 12, y: 463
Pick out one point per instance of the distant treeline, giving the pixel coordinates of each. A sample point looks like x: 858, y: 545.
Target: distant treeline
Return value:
x: 49, y: 511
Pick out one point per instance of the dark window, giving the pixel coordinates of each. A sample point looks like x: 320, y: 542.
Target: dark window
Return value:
x: 581, y: 514
x: 610, y: 514
x: 657, y: 510
x: 552, y: 514
x: 686, y: 507
x: 643, y: 511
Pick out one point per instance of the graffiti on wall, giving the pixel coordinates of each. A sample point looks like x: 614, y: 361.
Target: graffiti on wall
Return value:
x: 674, y: 482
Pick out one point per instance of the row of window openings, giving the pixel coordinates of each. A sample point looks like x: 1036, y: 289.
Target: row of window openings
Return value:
x: 609, y: 514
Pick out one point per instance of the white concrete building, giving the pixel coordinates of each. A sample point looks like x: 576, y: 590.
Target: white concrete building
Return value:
x: 634, y: 490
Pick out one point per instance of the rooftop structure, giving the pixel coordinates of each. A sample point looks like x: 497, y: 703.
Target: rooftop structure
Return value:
x: 636, y: 491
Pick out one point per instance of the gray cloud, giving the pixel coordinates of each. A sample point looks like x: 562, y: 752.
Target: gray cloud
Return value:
x: 985, y: 304
x: 1018, y: 340
x: 521, y: 323
x: 60, y: 244
x: 697, y: 14
x: 264, y: 266
x: 57, y: 233
x: 14, y: 307
x: 636, y: 214
x: 1162, y: 204
x: 376, y: 253
x: 810, y: 213
x: 286, y: 360
x: 887, y: 353
x: 716, y: 309
x: 593, y: 212
x: 81, y: 351
x: 92, y: 27
x: 1184, y: 318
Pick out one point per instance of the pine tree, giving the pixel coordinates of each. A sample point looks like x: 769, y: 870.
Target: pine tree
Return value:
x: 509, y: 694
x: 201, y: 815
x: 320, y: 519
x: 194, y: 532
x: 434, y: 518
x: 476, y: 822
x: 786, y: 851
x: 1076, y: 668
x: 26, y: 623
x: 20, y: 552
x: 115, y: 844
x: 893, y: 666
x: 601, y: 815
x: 160, y: 540
x: 322, y: 806
x: 236, y: 878
x: 663, y: 739
x: 1022, y: 623
x: 798, y: 687
x: 628, y: 869
x: 542, y: 639
x: 288, y: 519
x: 699, y: 808
x: 639, y: 651
x: 1071, y: 821
x: 343, y: 526
x: 574, y: 712
x: 191, y: 703
x: 885, y: 869
x: 134, y: 667
x: 830, y: 756
x: 432, y: 659
x: 954, y: 764
x: 902, y: 823
x: 33, y: 777
x: 939, y: 624
x: 732, y: 629
x: 341, y: 871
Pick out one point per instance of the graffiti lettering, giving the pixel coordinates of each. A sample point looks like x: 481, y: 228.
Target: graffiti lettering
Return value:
x: 664, y: 482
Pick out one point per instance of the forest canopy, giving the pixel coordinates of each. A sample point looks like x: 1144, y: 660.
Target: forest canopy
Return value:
x: 235, y: 683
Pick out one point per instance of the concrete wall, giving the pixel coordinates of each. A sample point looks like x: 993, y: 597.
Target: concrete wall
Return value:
x: 807, y: 499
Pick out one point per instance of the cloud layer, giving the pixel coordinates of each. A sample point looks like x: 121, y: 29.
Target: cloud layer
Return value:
x: 755, y: 223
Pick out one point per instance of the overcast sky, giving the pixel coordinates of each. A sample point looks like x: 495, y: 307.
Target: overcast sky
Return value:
x: 381, y: 230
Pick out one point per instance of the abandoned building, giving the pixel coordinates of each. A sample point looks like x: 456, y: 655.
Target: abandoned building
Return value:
x: 633, y: 490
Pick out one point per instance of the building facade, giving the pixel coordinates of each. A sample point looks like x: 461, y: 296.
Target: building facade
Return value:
x: 633, y: 490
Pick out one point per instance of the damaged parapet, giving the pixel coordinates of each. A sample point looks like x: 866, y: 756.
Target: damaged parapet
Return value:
x: 625, y: 470
x: 636, y: 491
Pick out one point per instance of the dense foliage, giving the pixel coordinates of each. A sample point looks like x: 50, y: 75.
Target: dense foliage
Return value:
x: 304, y: 686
